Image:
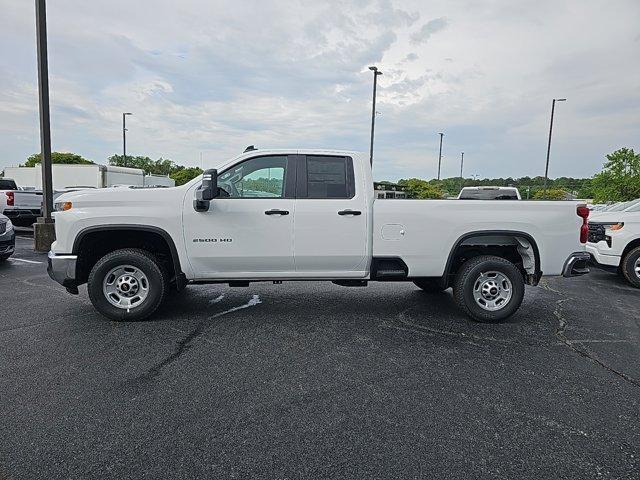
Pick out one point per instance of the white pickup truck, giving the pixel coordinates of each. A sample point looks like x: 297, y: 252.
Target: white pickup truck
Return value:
x: 23, y: 207
x: 614, y: 241
x: 281, y: 215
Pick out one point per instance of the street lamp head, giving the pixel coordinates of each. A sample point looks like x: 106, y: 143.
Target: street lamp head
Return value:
x: 561, y: 99
x: 375, y: 70
x: 127, y: 113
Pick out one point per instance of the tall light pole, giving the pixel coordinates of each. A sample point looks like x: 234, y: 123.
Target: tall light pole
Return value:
x: 546, y: 170
x: 44, y: 233
x: 124, y: 137
x: 440, y: 154
x: 376, y: 72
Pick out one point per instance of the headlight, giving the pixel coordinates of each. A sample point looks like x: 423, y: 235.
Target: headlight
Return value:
x: 8, y: 226
x: 614, y: 226
x: 62, y: 206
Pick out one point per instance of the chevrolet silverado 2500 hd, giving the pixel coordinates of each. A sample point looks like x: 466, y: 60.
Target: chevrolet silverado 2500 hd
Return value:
x: 306, y: 215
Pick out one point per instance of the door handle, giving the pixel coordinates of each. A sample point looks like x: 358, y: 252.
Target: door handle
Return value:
x: 276, y: 212
x: 349, y: 212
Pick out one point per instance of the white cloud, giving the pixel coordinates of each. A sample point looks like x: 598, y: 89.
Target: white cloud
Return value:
x: 216, y: 76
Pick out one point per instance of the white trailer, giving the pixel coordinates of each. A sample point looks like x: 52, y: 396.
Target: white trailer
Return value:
x: 92, y: 176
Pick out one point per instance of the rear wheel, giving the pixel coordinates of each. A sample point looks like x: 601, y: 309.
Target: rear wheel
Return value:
x: 127, y: 284
x: 488, y: 288
x: 630, y: 267
x: 430, y: 285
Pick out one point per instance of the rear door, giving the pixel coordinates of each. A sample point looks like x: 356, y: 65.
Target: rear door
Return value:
x: 331, y: 218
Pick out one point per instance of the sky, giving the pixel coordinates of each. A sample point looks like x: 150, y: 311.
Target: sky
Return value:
x: 204, y: 79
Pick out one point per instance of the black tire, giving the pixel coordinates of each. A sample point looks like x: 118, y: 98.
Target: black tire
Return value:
x: 429, y: 285
x: 147, y: 264
x: 470, y: 273
x: 4, y: 258
x: 629, y: 263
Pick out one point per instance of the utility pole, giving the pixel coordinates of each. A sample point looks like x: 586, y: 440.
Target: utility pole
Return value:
x: 124, y: 137
x: 546, y: 170
x: 44, y: 230
x: 461, y: 166
x: 376, y: 72
x: 440, y: 155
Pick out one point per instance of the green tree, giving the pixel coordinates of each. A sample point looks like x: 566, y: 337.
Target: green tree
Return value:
x: 184, y: 174
x: 417, y: 188
x: 551, y: 194
x: 619, y: 180
x: 58, y: 158
x: 162, y: 166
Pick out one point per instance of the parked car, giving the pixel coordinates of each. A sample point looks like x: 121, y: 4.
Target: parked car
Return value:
x: 310, y: 215
x: 23, y: 207
x: 489, y: 193
x: 614, y: 242
x: 7, y: 238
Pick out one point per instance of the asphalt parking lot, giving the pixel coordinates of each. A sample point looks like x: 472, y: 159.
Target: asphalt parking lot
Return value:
x: 313, y: 380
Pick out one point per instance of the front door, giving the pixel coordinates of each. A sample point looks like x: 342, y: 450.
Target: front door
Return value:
x: 248, y: 230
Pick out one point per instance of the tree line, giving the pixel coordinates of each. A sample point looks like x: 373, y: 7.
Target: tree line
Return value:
x: 162, y: 166
x: 618, y: 181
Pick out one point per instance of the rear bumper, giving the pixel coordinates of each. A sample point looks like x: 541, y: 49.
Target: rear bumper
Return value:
x: 23, y: 217
x: 577, y: 264
x: 62, y: 269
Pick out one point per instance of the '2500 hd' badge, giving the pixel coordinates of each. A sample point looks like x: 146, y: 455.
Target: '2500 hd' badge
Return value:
x: 212, y: 240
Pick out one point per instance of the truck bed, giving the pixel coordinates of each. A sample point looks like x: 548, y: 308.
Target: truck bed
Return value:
x: 423, y: 232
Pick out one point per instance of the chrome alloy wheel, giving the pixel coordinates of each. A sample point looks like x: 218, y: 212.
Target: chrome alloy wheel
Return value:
x: 125, y: 286
x: 492, y: 290
x: 636, y: 267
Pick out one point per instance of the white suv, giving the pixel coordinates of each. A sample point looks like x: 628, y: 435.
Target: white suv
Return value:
x: 614, y: 242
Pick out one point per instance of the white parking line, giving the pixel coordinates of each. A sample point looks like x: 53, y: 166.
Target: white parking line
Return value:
x: 22, y: 260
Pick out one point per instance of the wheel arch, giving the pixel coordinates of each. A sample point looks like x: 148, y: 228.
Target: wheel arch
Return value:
x: 491, y: 240
x: 630, y: 246
x: 136, y: 236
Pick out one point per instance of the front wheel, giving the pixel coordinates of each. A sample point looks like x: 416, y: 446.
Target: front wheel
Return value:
x: 127, y: 284
x: 488, y: 288
x: 630, y: 267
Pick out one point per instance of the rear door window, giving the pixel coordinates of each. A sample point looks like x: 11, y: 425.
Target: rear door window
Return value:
x: 326, y: 177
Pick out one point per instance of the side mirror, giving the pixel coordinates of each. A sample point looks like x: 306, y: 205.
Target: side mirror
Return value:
x: 207, y: 191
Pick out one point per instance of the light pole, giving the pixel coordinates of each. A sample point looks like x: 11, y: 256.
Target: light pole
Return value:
x: 44, y: 233
x: 440, y: 154
x: 124, y: 137
x: 376, y: 72
x: 546, y: 170
x: 461, y: 166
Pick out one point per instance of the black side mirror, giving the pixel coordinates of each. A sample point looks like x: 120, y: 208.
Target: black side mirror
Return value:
x: 207, y: 191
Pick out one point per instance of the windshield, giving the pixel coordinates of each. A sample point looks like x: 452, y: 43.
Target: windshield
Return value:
x: 633, y: 206
x: 618, y: 207
x: 486, y: 194
x: 6, y: 184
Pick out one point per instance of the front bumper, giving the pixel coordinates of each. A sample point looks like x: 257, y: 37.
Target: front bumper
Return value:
x: 601, y: 258
x: 62, y: 269
x: 7, y: 243
x: 577, y: 264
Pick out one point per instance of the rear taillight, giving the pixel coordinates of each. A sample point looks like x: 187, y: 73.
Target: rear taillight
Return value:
x: 10, y: 199
x: 583, y: 212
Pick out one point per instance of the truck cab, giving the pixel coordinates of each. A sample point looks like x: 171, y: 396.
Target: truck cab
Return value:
x: 284, y: 215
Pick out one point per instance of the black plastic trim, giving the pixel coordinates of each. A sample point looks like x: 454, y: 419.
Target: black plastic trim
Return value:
x: 139, y: 228
x: 488, y: 233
